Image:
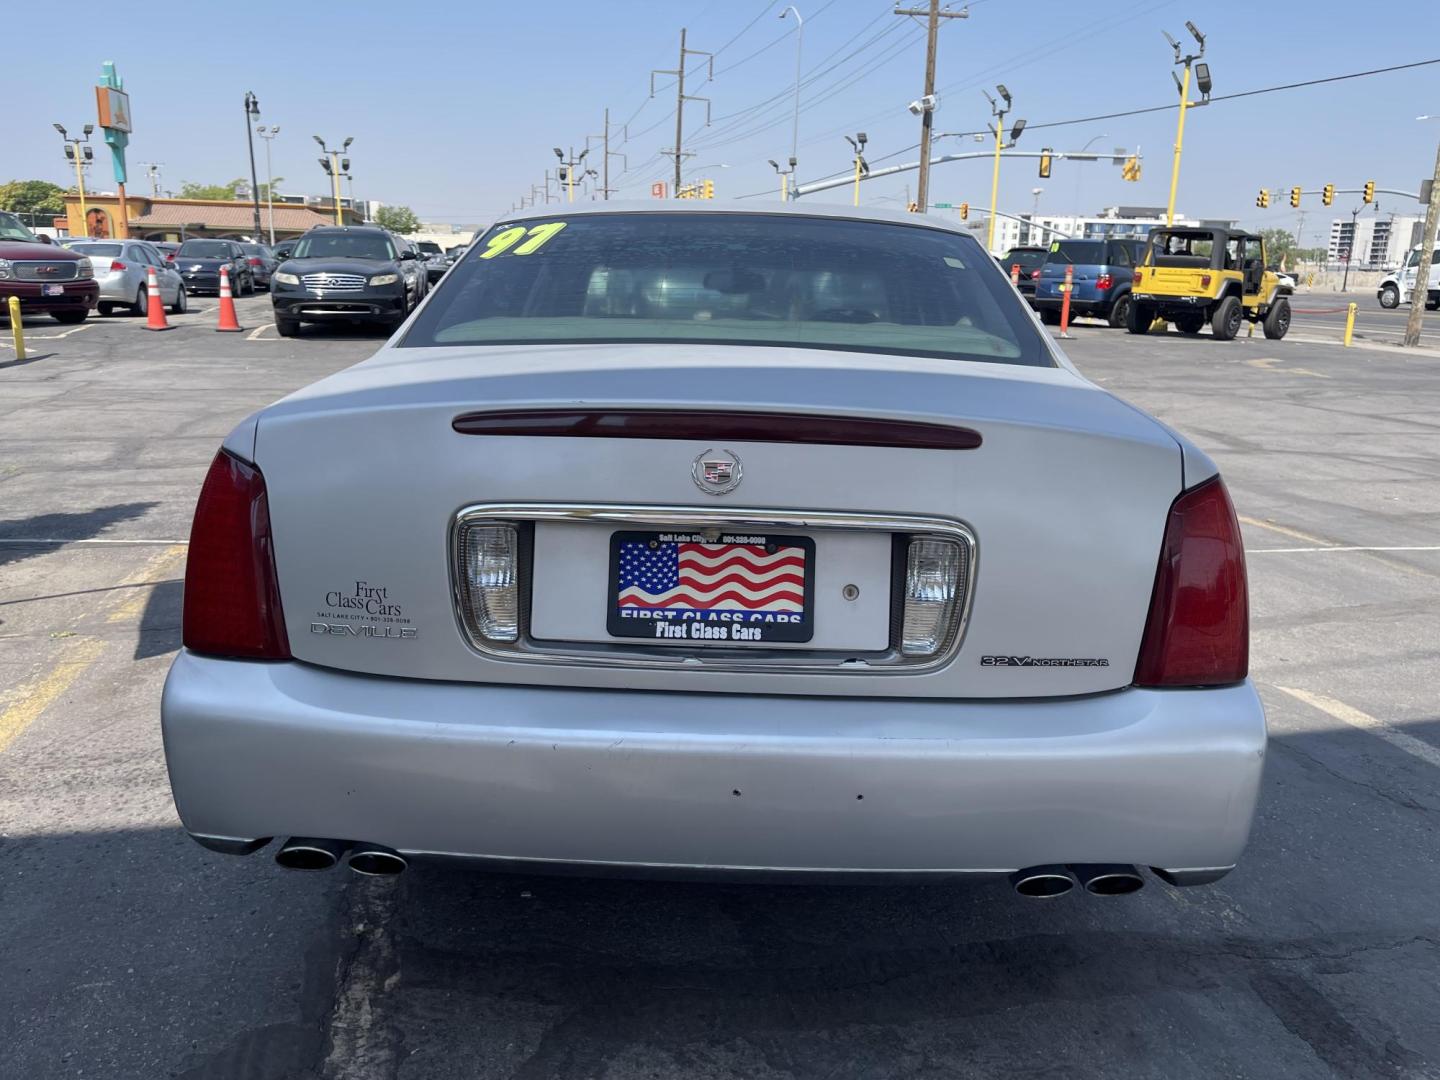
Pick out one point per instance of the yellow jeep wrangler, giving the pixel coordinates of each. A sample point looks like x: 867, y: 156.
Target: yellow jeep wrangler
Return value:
x: 1197, y: 275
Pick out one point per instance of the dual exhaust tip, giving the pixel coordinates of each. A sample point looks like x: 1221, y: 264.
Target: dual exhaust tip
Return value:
x: 309, y: 853
x: 1101, y: 879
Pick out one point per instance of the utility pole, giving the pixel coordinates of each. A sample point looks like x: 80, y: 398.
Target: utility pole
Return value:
x: 927, y: 103
x: 335, y: 166
x: 1420, y: 293
x: 678, y: 152
x: 605, y: 189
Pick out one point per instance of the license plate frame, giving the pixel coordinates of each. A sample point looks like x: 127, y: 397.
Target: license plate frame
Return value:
x: 730, y: 625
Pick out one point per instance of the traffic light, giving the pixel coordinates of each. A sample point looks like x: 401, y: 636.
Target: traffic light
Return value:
x: 1327, y: 194
x: 1295, y: 197
x: 1369, y: 191
x: 1263, y: 199
x: 964, y: 211
x: 1131, y: 169
x: 913, y: 207
x: 1045, y: 163
x: 708, y: 192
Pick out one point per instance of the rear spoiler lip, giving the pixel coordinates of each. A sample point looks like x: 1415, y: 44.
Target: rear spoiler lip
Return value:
x: 719, y: 425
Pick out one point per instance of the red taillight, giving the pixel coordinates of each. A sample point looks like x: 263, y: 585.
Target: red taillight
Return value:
x: 232, y: 597
x: 116, y: 264
x: 1139, y: 274
x: 254, y: 260
x: 1103, y: 282
x: 1036, y: 275
x: 1204, y: 281
x: 1198, y: 629
x: 169, y: 256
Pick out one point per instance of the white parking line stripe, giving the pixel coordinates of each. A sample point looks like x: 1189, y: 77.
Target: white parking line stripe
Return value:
x: 1337, y: 547
x: 254, y: 334
x: 1365, y: 722
x: 38, y: 540
x: 48, y: 337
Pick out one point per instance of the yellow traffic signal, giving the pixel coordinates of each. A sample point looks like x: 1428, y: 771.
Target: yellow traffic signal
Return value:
x: 964, y: 211
x: 708, y: 191
x: 1131, y: 169
x: 913, y: 207
x: 1327, y: 194
x: 1369, y: 191
x: 1263, y: 199
x: 1045, y: 163
x: 1295, y: 197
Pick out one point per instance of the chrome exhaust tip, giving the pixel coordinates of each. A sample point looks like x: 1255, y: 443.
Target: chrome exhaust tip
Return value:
x: 309, y: 853
x: 1042, y: 881
x: 1109, y: 879
x: 377, y: 860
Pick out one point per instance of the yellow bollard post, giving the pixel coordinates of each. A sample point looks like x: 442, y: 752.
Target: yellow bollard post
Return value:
x: 16, y: 330
x: 1349, y: 324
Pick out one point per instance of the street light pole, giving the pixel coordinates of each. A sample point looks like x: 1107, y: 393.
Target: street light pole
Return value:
x: 252, y: 113
x: 1421, y: 292
x: 1000, y: 144
x: 861, y: 165
x: 799, y: 45
x: 1202, y: 75
x: 268, y: 134
x: 76, y: 150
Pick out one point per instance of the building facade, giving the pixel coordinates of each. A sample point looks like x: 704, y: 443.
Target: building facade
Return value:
x: 1374, y: 240
x: 176, y: 219
x: 1039, y: 230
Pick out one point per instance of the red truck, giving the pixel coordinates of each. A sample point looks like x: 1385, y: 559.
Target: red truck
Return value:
x: 47, y: 279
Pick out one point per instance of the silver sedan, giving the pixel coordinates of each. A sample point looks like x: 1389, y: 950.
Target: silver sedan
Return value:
x: 122, y: 267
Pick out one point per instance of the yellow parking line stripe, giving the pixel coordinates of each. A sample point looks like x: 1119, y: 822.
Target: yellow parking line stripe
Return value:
x: 1365, y: 722
x: 1282, y: 530
x: 157, y: 567
x: 38, y: 696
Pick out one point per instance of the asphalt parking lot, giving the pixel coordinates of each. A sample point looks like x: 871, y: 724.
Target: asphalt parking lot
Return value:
x: 126, y: 951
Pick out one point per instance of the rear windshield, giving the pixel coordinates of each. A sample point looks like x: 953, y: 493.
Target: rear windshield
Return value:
x: 205, y: 249
x: 343, y: 246
x: 732, y: 279
x: 1027, y: 260
x: 101, y: 250
x: 1086, y: 252
x: 255, y: 249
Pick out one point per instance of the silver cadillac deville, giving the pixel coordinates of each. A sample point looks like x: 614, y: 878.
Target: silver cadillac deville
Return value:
x: 682, y: 539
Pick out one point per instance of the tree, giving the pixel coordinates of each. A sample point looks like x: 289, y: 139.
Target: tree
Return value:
x: 398, y: 219
x: 1279, y: 245
x: 265, y: 188
x: 191, y: 190
x: 39, y: 197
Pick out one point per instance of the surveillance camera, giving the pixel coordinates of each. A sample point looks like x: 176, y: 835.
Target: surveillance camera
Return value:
x: 924, y: 105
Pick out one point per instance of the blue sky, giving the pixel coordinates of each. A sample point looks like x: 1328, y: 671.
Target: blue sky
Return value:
x: 454, y: 106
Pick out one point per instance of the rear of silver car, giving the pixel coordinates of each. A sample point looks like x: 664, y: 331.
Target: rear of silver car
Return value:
x: 423, y: 644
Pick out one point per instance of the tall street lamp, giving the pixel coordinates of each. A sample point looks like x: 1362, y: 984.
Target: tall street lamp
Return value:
x: 252, y: 113
x: 1000, y: 144
x: 784, y: 175
x: 799, y: 45
x: 335, y: 166
x: 268, y: 134
x: 79, y: 153
x: 1202, y: 79
x: 862, y: 167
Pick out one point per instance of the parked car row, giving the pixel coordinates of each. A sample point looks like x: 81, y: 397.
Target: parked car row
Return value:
x: 1206, y: 276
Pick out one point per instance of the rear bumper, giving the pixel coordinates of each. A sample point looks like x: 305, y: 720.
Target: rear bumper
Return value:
x: 1078, y: 303
x: 647, y: 781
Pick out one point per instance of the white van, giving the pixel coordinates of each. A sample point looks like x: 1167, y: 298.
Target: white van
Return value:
x: 1395, y: 288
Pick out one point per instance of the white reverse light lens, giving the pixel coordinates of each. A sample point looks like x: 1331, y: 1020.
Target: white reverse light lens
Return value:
x: 935, y: 571
x: 287, y: 279
x: 384, y: 279
x: 489, y: 565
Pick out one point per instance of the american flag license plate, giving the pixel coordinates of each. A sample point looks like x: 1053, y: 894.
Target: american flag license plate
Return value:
x: 717, y: 589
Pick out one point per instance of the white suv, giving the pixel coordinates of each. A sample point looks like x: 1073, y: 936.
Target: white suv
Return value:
x: 1395, y: 288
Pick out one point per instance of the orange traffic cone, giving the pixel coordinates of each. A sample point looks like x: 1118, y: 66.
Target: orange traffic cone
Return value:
x: 154, y: 306
x: 228, y: 322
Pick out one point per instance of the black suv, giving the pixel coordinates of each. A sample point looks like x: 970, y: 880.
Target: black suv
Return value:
x: 350, y: 273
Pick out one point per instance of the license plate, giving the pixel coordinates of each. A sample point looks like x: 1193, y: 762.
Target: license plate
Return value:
x: 52, y: 290
x: 720, y: 589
